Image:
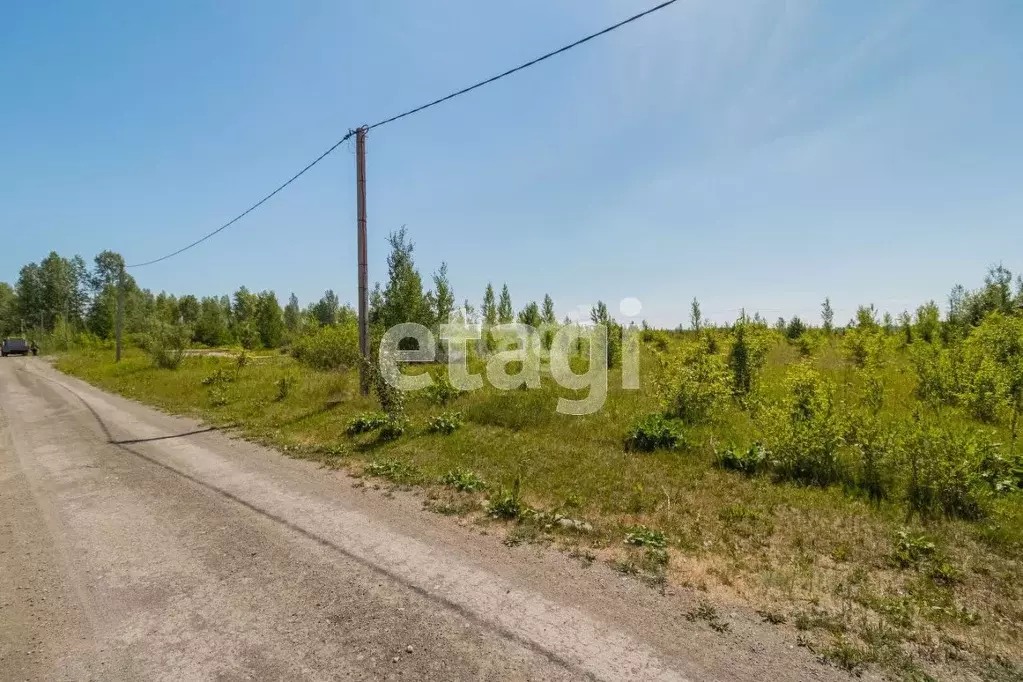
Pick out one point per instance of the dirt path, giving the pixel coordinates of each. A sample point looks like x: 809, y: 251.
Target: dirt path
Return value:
x: 135, y: 545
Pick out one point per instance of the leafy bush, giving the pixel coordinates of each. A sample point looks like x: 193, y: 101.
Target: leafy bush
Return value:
x: 248, y: 335
x: 927, y: 322
x: 1003, y: 473
x: 658, y: 339
x: 982, y: 374
x: 441, y: 391
x: 507, y: 504
x: 877, y: 468
x: 747, y: 356
x: 710, y: 341
x: 864, y: 344
x: 366, y: 422
x: 945, y: 574
x: 392, y: 399
x: 795, y: 328
x: 395, y: 470
x: 752, y: 461
x: 218, y: 376
x: 329, y: 348
x: 809, y: 343
x: 641, y: 536
x: 912, y: 548
x: 993, y: 356
x: 393, y: 429
x: 464, y: 481
x: 218, y: 397
x: 655, y: 432
x: 615, y: 333
x: 874, y: 387
x: 445, y: 423
x: 986, y: 391
x: 947, y: 469
x: 166, y: 343
x: 693, y: 385
x: 804, y: 432
x: 938, y: 373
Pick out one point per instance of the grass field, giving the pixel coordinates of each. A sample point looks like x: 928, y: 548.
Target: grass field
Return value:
x: 859, y: 582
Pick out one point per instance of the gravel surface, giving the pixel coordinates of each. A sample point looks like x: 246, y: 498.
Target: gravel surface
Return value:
x: 137, y: 545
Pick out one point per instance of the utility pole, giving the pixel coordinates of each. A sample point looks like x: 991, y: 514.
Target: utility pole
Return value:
x: 120, y: 310
x: 360, y: 179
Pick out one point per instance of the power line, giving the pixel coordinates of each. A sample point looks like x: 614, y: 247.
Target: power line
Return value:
x: 524, y: 66
x: 410, y: 112
x: 250, y: 209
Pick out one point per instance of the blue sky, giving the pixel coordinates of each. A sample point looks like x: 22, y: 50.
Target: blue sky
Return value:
x: 751, y: 153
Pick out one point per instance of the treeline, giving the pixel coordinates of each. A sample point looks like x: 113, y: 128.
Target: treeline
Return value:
x: 66, y: 299
x: 966, y: 309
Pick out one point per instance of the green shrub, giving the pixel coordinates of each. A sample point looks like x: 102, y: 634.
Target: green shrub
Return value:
x: 747, y: 356
x: 878, y: 463
x: 751, y: 461
x: 985, y: 395
x: 247, y: 335
x: 395, y: 470
x: 946, y: 471
x: 658, y: 339
x: 218, y: 376
x: 615, y: 333
x: 655, y: 432
x: 166, y: 343
x: 391, y: 399
x: 218, y: 397
x: 983, y: 373
x: 874, y: 387
x: 441, y: 391
x: 911, y: 549
x: 795, y: 328
x: 710, y: 340
x: 507, y: 504
x: 393, y: 429
x: 864, y: 344
x: 464, y: 481
x: 938, y: 373
x: 641, y: 536
x: 945, y: 574
x: 809, y: 343
x: 445, y: 423
x: 1003, y: 473
x: 693, y: 386
x: 330, y: 348
x: 999, y: 340
x: 804, y: 432
x: 366, y: 422
x: 928, y: 322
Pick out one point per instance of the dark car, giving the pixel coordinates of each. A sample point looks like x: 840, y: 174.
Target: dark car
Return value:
x: 15, y: 347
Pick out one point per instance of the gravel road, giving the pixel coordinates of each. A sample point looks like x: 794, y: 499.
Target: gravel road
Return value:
x: 140, y: 546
